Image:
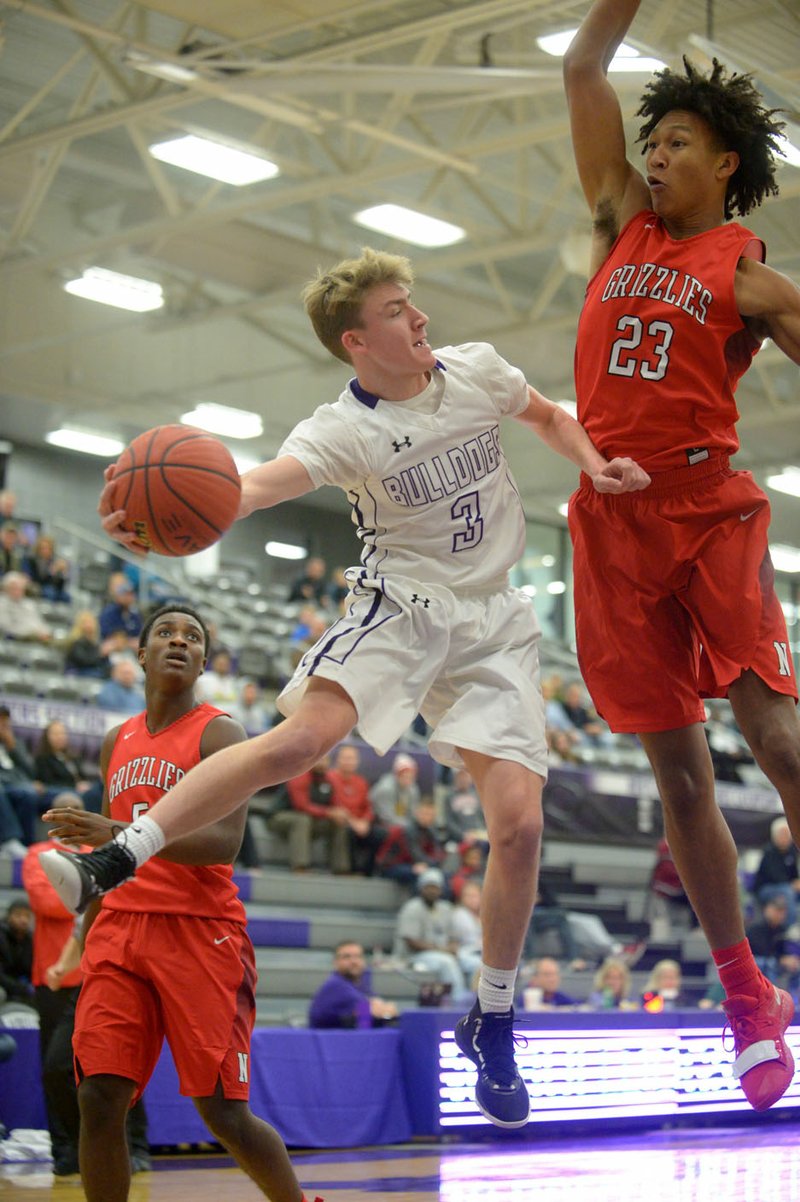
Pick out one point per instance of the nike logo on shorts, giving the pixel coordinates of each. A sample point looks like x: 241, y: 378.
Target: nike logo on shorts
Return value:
x: 743, y: 517
x: 222, y: 940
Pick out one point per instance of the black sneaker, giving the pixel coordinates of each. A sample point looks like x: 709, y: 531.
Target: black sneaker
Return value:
x: 79, y: 879
x: 488, y: 1041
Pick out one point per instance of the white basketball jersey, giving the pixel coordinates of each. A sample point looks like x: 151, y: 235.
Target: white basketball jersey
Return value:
x: 432, y: 494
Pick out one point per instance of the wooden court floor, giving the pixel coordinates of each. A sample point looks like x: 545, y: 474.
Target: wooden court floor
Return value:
x: 742, y: 1164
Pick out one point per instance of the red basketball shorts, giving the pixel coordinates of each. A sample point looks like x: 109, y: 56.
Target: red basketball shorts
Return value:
x: 151, y: 976
x: 674, y: 595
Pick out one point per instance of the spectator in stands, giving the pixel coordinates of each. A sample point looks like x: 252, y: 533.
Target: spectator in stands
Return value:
x: 83, y: 656
x: 424, y: 934
x: 250, y: 710
x: 12, y: 846
x: 20, y: 616
x: 561, y: 748
x: 337, y: 590
x: 56, y: 980
x: 463, y: 816
x: 28, y: 796
x: 352, y: 792
x: 345, y: 999
x: 408, y: 851
x: 550, y: 915
x: 612, y: 986
x: 395, y: 794
x: 56, y: 765
x: 776, y: 875
x: 48, y: 572
x: 120, y: 613
x: 471, y: 867
x: 713, y: 997
x: 314, y: 810
x: 311, y: 625
x: 311, y: 585
x: 668, y: 898
x: 545, y: 982
x: 775, y: 945
x: 467, y: 931
x: 556, y: 721
x: 122, y: 693
x: 16, y: 953
x: 664, y: 988
x: 727, y: 746
x: 8, y: 506
x: 583, y: 717
x: 219, y: 685
x: 11, y: 552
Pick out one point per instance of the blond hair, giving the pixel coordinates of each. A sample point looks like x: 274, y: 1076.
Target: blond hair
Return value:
x: 333, y: 299
x: 609, y: 964
x: 654, y: 980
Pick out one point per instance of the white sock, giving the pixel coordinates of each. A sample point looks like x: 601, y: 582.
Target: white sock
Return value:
x: 496, y: 989
x: 143, y: 838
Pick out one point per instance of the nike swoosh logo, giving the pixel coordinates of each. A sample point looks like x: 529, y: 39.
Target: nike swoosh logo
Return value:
x: 494, y: 985
x: 129, y: 735
x: 222, y: 940
x: 743, y: 517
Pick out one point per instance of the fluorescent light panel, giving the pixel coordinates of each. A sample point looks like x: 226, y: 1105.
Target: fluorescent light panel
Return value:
x: 224, y: 420
x: 86, y: 442
x: 789, y: 151
x: 787, y: 481
x: 785, y: 558
x: 285, y: 551
x: 214, y: 159
x: 113, y: 288
x: 409, y: 226
x: 627, y: 57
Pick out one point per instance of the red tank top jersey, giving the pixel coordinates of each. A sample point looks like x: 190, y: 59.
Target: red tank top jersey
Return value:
x: 141, y: 769
x: 661, y: 344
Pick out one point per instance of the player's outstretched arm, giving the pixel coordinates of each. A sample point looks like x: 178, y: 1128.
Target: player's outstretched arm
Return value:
x: 770, y: 302
x: 563, y: 434
x: 614, y: 190
x: 281, y: 479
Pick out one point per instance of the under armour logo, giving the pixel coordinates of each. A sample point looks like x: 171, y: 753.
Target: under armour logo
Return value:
x: 399, y: 445
x: 421, y: 600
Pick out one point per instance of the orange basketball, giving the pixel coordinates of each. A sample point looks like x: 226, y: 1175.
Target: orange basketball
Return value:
x: 179, y: 488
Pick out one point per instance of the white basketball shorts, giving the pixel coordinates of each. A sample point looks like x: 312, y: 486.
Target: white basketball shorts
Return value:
x: 468, y: 664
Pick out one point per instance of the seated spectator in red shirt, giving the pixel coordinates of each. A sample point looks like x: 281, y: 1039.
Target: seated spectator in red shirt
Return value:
x: 407, y: 851
x: 345, y: 999
x: 313, y: 811
x: 471, y: 867
x: 352, y: 792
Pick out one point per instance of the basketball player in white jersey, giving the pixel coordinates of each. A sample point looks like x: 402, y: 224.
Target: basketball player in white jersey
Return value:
x: 431, y: 625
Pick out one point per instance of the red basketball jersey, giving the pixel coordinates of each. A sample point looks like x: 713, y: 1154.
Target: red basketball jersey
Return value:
x: 141, y: 769
x: 661, y: 345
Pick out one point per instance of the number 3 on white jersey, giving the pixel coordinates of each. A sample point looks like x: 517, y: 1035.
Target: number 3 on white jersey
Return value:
x: 661, y: 331
x: 467, y: 510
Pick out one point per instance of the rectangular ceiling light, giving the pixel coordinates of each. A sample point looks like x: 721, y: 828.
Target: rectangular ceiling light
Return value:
x: 224, y: 420
x: 785, y: 558
x: 89, y: 444
x: 285, y: 551
x: 217, y: 160
x: 788, y: 481
x: 409, y: 226
x: 112, y: 288
x: 627, y: 57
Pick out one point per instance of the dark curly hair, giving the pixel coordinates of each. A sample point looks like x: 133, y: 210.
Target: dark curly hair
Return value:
x: 733, y: 108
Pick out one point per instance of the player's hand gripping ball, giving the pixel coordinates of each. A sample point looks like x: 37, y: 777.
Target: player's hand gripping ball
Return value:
x: 179, y: 487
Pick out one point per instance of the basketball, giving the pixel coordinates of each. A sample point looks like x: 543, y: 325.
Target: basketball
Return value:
x: 179, y: 488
